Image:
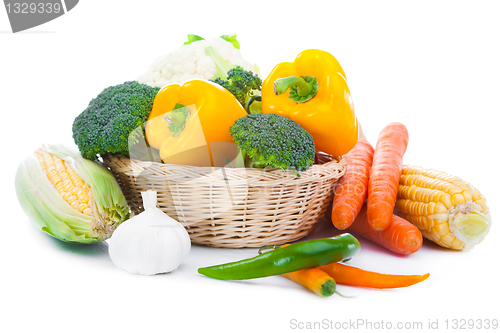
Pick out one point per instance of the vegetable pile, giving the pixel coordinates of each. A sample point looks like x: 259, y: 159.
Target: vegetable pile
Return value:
x: 203, y: 105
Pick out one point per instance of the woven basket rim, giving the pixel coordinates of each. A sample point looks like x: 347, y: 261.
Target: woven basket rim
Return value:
x: 231, y: 173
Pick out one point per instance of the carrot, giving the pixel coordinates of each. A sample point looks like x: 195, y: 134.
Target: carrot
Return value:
x: 315, y: 280
x: 400, y: 236
x: 352, y: 188
x: 385, y: 173
x: 352, y: 276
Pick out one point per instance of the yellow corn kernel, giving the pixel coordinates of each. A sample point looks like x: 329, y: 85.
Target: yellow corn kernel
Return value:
x: 71, y: 199
x: 435, y: 235
x: 476, y: 195
x: 457, y: 199
x: 82, y: 196
x: 484, y: 206
x: 58, y: 185
x: 66, y: 181
x: 447, y: 239
x: 67, y: 185
x: 82, y: 207
x: 457, y: 244
x: 432, y: 236
x: 442, y: 228
x: 420, y: 222
x: 75, y: 204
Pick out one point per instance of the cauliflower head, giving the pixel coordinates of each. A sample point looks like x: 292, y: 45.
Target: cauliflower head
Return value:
x: 203, y: 59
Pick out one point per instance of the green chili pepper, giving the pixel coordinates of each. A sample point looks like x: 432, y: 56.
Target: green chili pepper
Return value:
x: 281, y: 260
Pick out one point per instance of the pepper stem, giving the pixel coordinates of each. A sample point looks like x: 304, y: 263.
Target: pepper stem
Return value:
x: 344, y: 296
x: 270, y: 247
x: 254, y: 104
x: 177, y: 118
x: 302, y: 88
x: 328, y: 288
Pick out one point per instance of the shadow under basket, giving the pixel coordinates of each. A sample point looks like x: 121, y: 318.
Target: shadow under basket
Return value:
x: 233, y: 207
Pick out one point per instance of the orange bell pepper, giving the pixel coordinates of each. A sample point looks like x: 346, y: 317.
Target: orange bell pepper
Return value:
x: 189, y: 124
x: 318, y: 99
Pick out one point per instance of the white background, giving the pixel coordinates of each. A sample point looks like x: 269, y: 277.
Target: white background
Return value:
x: 432, y: 65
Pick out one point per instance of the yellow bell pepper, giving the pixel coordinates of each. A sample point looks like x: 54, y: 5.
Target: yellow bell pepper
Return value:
x: 189, y: 124
x: 318, y: 99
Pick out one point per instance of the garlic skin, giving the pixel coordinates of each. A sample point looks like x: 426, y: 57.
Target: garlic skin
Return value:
x: 149, y: 243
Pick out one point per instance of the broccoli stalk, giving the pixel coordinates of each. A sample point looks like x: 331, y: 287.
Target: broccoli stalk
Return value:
x: 114, y: 121
x: 245, y: 86
x: 270, y: 140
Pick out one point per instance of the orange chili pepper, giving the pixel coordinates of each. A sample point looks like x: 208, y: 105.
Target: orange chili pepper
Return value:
x: 352, y: 276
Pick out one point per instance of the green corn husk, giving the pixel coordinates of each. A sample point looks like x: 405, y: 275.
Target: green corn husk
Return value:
x: 52, y: 214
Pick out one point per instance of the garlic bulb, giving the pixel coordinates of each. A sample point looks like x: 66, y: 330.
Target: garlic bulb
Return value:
x: 151, y: 242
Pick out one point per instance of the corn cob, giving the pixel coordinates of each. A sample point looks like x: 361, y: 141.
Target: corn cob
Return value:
x: 447, y: 210
x: 67, y: 182
x: 70, y: 198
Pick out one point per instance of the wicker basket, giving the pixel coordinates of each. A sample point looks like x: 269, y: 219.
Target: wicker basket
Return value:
x: 233, y: 207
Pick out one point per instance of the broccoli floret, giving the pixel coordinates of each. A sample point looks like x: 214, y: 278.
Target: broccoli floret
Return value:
x: 244, y: 85
x: 270, y: 140
x: 114, y: 119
